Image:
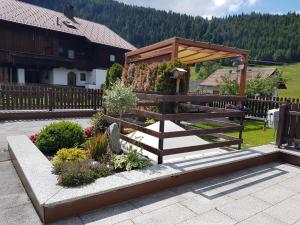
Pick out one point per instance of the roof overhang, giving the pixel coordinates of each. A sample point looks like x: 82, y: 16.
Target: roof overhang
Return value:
x: 187, y: 51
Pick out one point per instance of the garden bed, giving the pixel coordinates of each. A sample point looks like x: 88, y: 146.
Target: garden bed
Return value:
x: 54, y: 202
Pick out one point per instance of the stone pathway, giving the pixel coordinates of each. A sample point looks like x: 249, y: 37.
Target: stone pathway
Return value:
x: 268, y: 194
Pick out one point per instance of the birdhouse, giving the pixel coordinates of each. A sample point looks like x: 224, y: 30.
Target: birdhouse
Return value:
x: 178, y: 74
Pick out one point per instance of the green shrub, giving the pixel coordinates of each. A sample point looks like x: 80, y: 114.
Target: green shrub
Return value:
x: 69, y: 155
x: 59, y: 135
x: 98, y: 123
x: 80, y: 173
x: 164, y: 81
x: 97, y: 146
x: 149, y: 121
x: 132, y: 160
x: 113, y: 73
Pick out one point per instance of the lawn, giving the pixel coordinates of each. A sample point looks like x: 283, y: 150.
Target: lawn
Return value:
x: 292, y: 73
x: 253, y: 135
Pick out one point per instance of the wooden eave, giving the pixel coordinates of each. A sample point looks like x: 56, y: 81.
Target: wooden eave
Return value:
x: 185, y: 50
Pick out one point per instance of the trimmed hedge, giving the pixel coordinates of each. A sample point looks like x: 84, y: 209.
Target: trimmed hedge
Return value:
x: 59, y: 135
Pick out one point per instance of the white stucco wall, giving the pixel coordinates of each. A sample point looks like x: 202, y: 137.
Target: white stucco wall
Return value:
x: 94, y: 78
x: 60, y: 76
x: 21, y: 75
x: 100, y: 76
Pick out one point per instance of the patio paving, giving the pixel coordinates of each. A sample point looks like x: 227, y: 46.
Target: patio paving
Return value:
x: 267, y: 194
x: 215, y: 201
x: 274, y: 201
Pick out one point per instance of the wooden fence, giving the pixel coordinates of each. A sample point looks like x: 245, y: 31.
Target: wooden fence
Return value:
x: 207, y: 117
x: 288, y: 131
x: 41, y: 97
x: 259, y: 106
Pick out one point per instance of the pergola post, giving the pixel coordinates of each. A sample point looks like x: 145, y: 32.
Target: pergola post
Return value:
x: 243, y: 78
x: 174, y: 50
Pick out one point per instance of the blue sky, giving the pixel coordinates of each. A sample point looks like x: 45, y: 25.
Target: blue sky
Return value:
x: 220, y: 8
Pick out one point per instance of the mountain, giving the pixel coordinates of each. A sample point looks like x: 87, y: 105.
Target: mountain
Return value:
x: 268, y: 37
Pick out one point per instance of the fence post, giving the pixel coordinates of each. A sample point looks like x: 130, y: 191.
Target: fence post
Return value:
x: 281, y: 125
x: 51, y: 100
x: 161, y: 129
x: 241, y: 124
x: 95, y: 99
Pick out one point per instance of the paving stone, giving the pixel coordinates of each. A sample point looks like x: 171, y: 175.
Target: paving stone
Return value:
x: 289, y: 168
x: 155, y: 201
x: 287, y: 211
x: 212, y: 217
x: 13, y: 200
x: 209, y: 187
x: 263, y: 219
x: 200, y: 204
x: 4, y: 155
x: 24, y: 214
x: 292, y: 183
x: 243, y: 208
x: 126, y: 222
x: 296, y: 197
x: 111, y: 215
x: 186, y: 191
x: 169, y: 215
x: 71, y: 221
x: 258, y: 181
x: 274, y: 194
x: 297, y: 223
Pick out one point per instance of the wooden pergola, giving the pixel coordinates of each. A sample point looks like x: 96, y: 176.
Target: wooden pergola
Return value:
x: 188, y: 52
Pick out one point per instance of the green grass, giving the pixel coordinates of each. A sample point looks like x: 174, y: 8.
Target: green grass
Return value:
x: 292, y: 73
x: 253, y: 135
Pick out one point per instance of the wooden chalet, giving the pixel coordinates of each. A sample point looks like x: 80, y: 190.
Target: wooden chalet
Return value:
x: 39, y: 45
x: 188, y: 52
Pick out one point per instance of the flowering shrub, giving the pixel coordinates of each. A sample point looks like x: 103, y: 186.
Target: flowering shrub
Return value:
x: 34, y: 138
x: 88, y: 132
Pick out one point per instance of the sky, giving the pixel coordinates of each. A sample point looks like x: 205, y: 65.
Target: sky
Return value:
x: 220, y: 8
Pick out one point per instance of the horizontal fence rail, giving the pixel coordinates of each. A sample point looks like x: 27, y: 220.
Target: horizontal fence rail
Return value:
x: 258, y: 106
x: 202, y: 114
x: 41, y: 97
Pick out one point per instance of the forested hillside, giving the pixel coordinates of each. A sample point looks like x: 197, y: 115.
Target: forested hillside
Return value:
x: 269, y: 37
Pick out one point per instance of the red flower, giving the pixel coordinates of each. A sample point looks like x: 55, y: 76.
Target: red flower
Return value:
x: 34, y: 138
x: 88, y: 132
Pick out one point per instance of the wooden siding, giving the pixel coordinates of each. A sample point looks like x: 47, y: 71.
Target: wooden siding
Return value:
x: 30, y: 46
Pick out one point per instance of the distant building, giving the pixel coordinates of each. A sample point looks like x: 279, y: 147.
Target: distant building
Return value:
x: 210, y: 84
x: 39, y: 45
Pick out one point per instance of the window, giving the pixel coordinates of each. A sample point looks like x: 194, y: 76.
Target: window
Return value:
x: 82, y: 77
x: 71, y: 54
x: 112, y: 58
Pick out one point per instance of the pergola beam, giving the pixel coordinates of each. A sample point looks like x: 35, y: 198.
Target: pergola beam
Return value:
x: 149, y: 55
x: 211, y: 46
